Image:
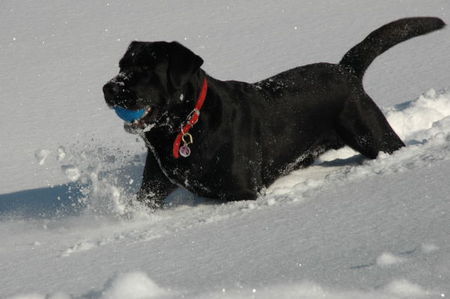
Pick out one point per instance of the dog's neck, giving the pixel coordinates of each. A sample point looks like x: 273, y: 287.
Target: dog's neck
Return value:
x: 185, y: 102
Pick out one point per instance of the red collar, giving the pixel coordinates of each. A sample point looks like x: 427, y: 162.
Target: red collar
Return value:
x: 192, y: 119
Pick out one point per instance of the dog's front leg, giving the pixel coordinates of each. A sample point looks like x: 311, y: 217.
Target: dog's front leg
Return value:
x: 155, y: 185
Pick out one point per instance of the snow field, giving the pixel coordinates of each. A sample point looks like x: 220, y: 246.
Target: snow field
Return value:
x: 107, y: 181
x: 344, y: 228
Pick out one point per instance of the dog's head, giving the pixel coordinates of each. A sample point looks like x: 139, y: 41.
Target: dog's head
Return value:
x: 152, y: 76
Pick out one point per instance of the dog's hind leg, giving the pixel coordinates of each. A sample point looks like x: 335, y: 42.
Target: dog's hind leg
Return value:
x: 363, y: 127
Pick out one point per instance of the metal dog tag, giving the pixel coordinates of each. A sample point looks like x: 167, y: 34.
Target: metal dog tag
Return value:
x: 185, y: 151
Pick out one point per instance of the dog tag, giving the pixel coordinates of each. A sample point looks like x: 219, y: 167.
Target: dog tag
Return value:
x: 185, y: 151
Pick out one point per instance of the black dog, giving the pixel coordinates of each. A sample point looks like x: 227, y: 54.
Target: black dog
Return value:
x: 227, y: 139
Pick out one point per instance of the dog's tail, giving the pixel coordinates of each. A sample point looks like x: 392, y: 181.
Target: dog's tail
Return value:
x: 361, y: 56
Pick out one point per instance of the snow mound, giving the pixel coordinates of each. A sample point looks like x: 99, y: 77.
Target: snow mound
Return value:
x: 405, y: 289
x: 133, y: 285
x: 410, y: 118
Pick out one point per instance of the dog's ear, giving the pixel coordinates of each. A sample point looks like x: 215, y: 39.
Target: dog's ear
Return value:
x: 183, y: 63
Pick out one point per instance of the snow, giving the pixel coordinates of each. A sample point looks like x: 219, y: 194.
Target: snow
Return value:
x: 135, y: 285
x: 344, y: 228
x: 41, y: 156
x: 388, y: 259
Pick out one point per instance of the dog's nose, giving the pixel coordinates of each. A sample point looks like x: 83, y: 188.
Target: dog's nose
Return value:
x: 110, y: 91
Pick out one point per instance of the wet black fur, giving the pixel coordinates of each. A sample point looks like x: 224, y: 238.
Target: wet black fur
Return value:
x: 249, y: 135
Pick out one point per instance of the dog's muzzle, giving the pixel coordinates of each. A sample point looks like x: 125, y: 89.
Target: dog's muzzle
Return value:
x: 116, y: 94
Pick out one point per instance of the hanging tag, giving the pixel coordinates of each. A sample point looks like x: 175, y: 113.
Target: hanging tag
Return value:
x: 185, y: 151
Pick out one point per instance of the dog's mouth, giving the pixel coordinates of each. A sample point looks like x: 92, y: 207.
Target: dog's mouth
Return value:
x: 143, y: 124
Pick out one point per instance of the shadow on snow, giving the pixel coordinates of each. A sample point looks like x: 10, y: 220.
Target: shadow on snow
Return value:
x: 57, y: 201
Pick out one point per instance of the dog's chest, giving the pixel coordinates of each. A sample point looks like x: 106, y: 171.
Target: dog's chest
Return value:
x: 183, y: 173
x: 191, y: 179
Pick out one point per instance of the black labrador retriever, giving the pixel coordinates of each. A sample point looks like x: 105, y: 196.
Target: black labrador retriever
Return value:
x: 227, y: 139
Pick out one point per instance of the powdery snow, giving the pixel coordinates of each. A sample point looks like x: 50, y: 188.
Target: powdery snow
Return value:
x: 344, y: 228
x: 388, y: 259
x: 133, y: 285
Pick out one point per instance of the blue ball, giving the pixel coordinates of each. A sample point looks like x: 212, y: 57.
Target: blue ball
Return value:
x: 129, y: 115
